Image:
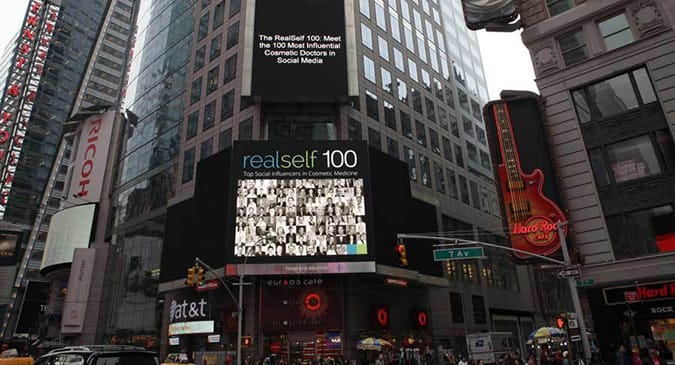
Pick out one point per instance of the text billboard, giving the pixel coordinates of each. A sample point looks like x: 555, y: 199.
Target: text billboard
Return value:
x: 300, y: 202
x: 299, y: 49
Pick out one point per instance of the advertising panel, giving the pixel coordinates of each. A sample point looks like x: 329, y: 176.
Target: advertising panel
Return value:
x: 9, y: 246
x: 90, y: 158
x: 300, y: 203
x: 69, y: 229
x: 299, y: 49
x: 79, y: 285
x: 529, y: 195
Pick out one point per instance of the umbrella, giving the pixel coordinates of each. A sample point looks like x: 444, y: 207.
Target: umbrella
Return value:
x: 544, y: 332
x: 372, y: 343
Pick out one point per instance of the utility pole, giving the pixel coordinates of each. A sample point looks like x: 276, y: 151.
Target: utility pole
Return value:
x: 575, y: 295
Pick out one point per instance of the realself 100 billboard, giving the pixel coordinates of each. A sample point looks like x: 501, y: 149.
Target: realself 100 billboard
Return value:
x: 300, y: 208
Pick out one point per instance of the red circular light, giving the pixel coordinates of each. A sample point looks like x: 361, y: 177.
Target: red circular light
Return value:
x: 313, y: 302
x: 382, y: 316
x: 560, y: 322
x: 422, y: 319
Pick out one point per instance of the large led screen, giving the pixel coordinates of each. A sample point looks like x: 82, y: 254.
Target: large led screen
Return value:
x: 300, y: 202
x: 299, y: 49
x: 69, y: 229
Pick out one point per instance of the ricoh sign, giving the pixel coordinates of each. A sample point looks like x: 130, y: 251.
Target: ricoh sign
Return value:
x: 91, y: 157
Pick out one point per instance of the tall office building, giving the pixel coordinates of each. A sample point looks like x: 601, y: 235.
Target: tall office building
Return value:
x: 605, y: 71
x: 420, y: 88
x: 76, y: 61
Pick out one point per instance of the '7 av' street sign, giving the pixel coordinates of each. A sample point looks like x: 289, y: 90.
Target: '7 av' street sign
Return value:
x: 443, y: 254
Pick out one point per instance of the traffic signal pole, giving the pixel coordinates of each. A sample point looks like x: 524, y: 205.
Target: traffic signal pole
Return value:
x: 576, y: 302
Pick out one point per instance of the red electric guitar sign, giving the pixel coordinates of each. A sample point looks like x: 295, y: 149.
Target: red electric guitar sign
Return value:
x: 531, y: 216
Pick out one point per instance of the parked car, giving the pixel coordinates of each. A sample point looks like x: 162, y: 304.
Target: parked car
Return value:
x: 99, y: 355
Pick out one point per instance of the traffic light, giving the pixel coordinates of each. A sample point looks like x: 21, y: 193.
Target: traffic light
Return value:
x: 402, y: 258
x: 560, y: 321
x: 246, y: 341
x: 200, y: 276
x: 190, y: 280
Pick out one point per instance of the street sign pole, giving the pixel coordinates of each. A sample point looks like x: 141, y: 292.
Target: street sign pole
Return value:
x: 575, y: 295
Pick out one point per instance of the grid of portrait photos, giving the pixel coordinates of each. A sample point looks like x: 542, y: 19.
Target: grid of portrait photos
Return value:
x: 300, y: 217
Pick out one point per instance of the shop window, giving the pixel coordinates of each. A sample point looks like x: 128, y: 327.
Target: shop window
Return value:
x: 573, y: 47
x: 613, y: 96
x: 616, y: 32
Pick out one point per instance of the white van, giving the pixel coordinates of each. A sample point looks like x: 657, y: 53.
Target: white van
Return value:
x: 489, y: 346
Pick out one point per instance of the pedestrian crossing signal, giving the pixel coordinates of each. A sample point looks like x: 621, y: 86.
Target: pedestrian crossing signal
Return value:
x: 560, y: 322
x: 246, y: 341
x: 402, y: 257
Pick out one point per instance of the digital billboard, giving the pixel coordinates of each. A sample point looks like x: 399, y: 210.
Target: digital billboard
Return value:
x: 299, y: 49
x: 300, y: 203
x: 9, y: 242
x: 69, y: 229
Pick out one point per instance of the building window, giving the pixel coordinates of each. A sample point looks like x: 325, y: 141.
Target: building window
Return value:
x: 421, y: 133
x: 354, y: 131
x: 470, y: 273
x: 230, y: 69
x: 417, y: 100
x: 442, y: 118
x: 196, y: 91
x: 472, y: 152
x: 225, y: 139
x: 406, y: 125
x: 475, y: 195
x: 449, y: 97
x: 369, y: 69
x: 426, y: 80
x: 463, y: 101
x: 573, y: 47
x: 209, y: 115
x: 613, y: 96
x: 380, y: 16
x: 412, y: 70
x: 212, y: 80
x: 456, y: 307
x: 188, y: 165
x: 485, y: 160
x: 206, y: 149
x: 464, y: 190
x: 364, y: 7
x: 435, y: 143
x: 643, y: 232
x: 398, y: 60
x: 203, y: 27
x: 409, y: 155
x: 440, y: 177
x: 235, y: 7
x: 395, y: 27
x: 232, y: 35
x: 366, y: 36
x: 402, y: 90
x: 476, y: 110
x: 452, y: 184
x: 200, y: 56
x: 556, y: 7
x: 387, y: 86
x: 447, y: 149
x: 215, y: 47
x: 634, y: 158
x: 374, y: 138
x: 389, y: 115
x: 392, y: 147
x: 372, y: 107
x: 616, y: 32
x: 478, y: 304
x: 467, y: 125
x: 459, y: 155
x: 219, y: 14
x: 246, y: 130
x: 480, y: 135
x: 431, y: 110
x: 383, y: 48
x: 192, y: 126
x: 438, y: 89
x: 426, y: 170
x: 227, y: 105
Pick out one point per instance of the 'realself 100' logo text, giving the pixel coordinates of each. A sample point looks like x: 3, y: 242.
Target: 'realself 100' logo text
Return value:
x: 304, y: 160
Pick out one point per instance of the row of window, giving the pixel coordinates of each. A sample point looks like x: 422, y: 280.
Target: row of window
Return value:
x: 614, y: 31
x: 218, y: 17
x: 213, y: 79
x: 215, y: 46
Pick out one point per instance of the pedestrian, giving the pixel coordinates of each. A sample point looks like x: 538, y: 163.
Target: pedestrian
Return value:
x: 620, y: 358
x: 379, y: 360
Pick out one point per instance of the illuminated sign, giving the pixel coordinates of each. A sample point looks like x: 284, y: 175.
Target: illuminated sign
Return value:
x: 531, y: 214
x: 186, y: 328
x: 382, y: 316
x: 647, y: 292
x: 299, y: 203
x: 22, y: 85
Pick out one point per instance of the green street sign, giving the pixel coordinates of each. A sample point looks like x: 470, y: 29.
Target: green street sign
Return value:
x: 443, y: 254
x: 585, y: 282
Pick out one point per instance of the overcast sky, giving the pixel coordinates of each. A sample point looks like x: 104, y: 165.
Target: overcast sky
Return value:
x: 505, y: 58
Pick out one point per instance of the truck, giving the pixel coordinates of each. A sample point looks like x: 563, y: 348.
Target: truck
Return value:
x: 489, y: 346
